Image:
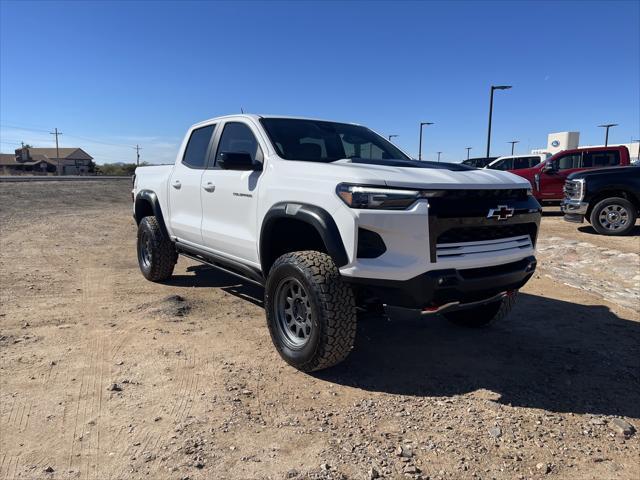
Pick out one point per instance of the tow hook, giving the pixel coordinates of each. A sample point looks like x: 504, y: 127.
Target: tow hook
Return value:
x: 447, y: 307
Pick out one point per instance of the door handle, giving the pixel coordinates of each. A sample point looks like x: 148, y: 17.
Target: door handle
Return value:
x: 209, y: 187
x: 176, y: 184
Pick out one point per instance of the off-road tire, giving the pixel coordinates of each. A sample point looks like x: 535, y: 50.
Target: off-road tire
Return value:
x: 483, y: 315
x: 163, y: 254
x: 332, y: 310
x: 631, y: 210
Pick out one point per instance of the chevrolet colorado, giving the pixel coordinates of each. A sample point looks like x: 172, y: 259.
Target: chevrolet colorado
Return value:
x: 330, y: 217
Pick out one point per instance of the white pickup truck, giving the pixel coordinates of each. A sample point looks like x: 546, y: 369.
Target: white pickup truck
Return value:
x: 330, y: 218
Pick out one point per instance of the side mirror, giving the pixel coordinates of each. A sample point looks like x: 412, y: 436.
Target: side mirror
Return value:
x: 549, y: 167
x: 237, y: 161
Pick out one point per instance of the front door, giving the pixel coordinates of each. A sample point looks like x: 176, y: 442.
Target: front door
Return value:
x: 185, y: 208
x: 552, y: 181
x: 229, y: 197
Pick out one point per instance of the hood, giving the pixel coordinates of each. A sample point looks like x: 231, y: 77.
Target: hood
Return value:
x: 616, y: 170
x: 446, y: 176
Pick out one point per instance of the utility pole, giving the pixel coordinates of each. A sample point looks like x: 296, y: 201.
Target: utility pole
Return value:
x: 56, y: 133
x: 468, y: 149
x: 137, y: 155
x: 513, y: 142
x: 439, y: 156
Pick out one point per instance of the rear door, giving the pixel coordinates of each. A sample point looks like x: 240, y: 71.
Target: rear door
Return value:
x: 185, y: 206
x: 552, y: 182
x: 229, y: 197
x: 520, y: 163
x: 504, y: 164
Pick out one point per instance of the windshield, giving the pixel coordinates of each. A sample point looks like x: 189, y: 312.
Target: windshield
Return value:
x: 318, y: 141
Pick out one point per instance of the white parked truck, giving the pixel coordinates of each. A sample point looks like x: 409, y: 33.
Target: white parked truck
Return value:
x: 330, y: 218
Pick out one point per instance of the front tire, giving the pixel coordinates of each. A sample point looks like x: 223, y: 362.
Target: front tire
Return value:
x: 157, y: 254
x: 483, y: 315
x: 310, y: 310
x: 613, y: 216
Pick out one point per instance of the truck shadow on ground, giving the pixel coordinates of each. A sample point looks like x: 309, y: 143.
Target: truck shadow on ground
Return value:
x: 549, y: 354
x: 592, y: 231
x: 209, y: 277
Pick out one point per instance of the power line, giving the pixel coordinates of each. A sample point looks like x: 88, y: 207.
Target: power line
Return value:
x: 32, y: 129
x: 81, y: 137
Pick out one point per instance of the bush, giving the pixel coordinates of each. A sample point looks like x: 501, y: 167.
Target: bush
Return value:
x: 125, y: 169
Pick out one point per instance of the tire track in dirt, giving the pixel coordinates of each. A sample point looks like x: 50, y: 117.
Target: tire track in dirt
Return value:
x: 12, y: 466
x: 151, y: 438
x: 184, y: 404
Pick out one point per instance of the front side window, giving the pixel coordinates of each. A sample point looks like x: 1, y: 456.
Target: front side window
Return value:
x: 569, y: 161
x: 195, y: 155
x: 507, y: 164
x: 238, y: 138
x: 319, y: 141
x: 601, y: 159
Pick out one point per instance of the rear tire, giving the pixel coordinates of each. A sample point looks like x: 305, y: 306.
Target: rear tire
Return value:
x: 613, y: 216
x: 484, y: 314
x: 311, y: 312
x: 157, y: 254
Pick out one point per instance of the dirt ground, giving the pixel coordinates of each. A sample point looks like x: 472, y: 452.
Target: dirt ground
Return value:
x: 106, y: 376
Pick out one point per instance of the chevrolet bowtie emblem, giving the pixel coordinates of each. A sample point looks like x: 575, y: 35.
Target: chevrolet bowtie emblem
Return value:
x: 502, y: 212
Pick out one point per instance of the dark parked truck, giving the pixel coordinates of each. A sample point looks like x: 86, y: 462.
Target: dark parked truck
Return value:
x: 608, y: 198
x: 548, y: 177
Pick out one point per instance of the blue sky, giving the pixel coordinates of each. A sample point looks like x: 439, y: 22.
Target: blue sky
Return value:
x: 113, y: 74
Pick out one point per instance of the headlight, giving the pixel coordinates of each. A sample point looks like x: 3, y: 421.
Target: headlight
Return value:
x: 381, y: 198
x: 574, y: 189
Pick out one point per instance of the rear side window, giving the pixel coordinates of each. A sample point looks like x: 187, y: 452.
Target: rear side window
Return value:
x: 238, y: 138
x: 525, y: 162
x: 195, y: 155
x: 601, y: 159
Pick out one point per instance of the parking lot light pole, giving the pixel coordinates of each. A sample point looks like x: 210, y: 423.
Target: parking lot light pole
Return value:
x: 468, y: 148
x: 439, y: 156
x: 393, y: 136
x: 493, y: 87
x: 513, y: 142
x: 420, y: 147
x: 607, y: 126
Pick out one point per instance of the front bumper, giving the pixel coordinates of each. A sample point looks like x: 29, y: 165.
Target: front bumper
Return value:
x: 439, y: 287
x: 574, y: 210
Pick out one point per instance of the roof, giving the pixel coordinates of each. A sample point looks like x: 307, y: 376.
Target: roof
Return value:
x: 7, y: 159
x: 256, y: 118
x: 73, y: 152
x: 40, y: 158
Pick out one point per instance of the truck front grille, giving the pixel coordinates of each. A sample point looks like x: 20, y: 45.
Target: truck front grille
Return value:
x: 480, y: 195
x: 573, y: 189
x: 486, y: 233
x: 452, y: 251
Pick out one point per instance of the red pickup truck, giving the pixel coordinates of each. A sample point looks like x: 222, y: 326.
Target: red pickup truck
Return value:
x: 548, y: 177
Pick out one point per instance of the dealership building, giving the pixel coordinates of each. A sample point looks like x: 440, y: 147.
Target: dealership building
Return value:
x: 556, y: 142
